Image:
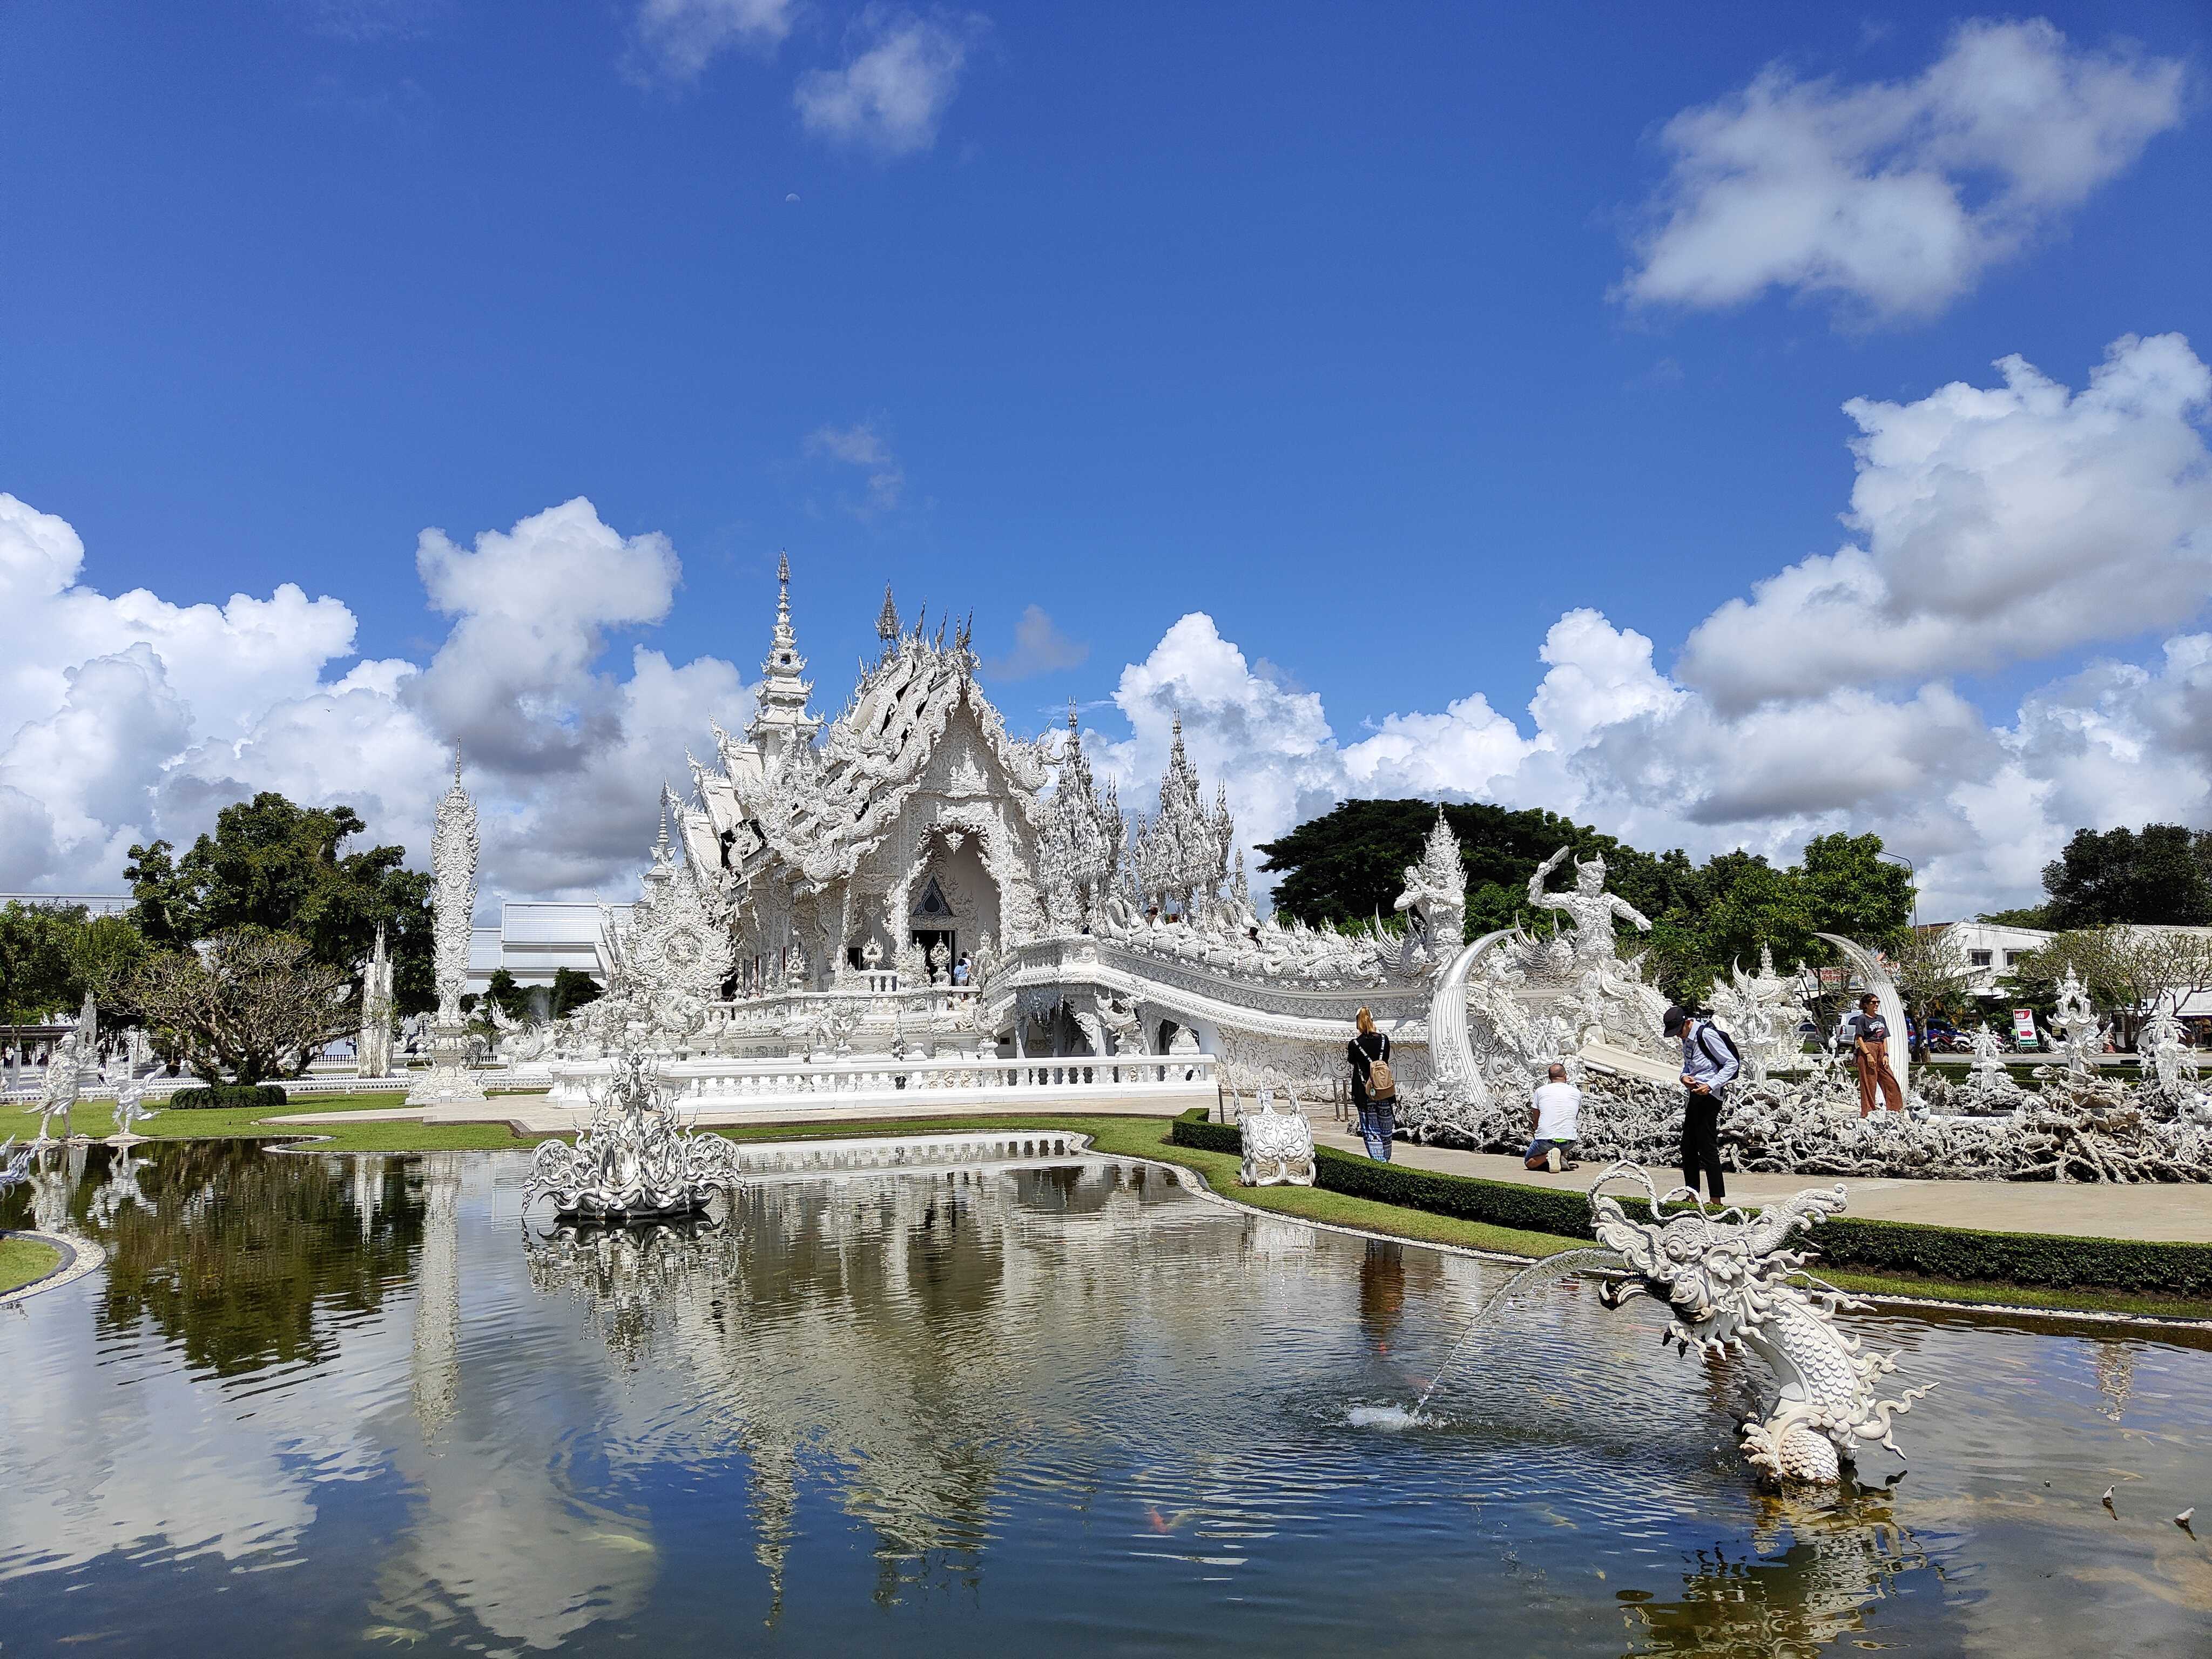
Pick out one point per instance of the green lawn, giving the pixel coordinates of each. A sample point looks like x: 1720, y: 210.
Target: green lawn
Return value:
x: 1133, y: 1137
x: 22, y: 1260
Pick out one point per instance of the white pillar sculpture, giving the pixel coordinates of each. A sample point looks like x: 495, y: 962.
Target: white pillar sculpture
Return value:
x: 454, y: 847
x: 373, y: 1051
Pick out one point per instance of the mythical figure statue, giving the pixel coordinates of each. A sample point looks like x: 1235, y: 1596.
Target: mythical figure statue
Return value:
x: 130, y: 1091
x: 2080, y: 1034
x: 1991, y: 1077
x: 74, y: 1060
x: 1730, y: 1280
x: 2165, y: 1045
x: 1762, y: 1013
x: 1434, y: 902
x: 1590, y: 906
x: 1279, y: 1146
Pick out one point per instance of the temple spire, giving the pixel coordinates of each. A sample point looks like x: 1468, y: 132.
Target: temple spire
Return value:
x: 783, y: 723
x: 887, y: 619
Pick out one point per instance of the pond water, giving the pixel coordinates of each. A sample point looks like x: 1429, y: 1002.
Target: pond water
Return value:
x: 353, y: 1405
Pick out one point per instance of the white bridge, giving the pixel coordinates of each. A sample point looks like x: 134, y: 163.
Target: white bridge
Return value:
x: 1160, y: 1082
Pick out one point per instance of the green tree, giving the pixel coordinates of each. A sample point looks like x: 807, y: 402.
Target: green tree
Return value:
x: 272, y: 864
x: 1349, y: 864
x: 2160, y: 874
x: 571, y: 990
x: 40, y: 973
x: 510, y: 999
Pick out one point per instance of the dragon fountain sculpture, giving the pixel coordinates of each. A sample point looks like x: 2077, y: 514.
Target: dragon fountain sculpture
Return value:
x: 1732, y: 1281
x: 636, y: 1162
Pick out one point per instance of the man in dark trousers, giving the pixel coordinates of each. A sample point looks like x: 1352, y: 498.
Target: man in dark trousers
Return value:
x: 1708, y: 1066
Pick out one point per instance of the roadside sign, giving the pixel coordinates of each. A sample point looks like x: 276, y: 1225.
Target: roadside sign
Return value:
x: 2023, y: 1027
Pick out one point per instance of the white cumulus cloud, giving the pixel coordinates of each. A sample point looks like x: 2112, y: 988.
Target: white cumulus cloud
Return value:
x: 1998, y: 525
x: 1895, y: 197
x: 890, y: 94
x: 126, y: 718
x: 676, y: 40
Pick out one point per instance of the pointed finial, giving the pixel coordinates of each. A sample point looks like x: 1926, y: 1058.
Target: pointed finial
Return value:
x: 783, y: 568
x: 887, y: 619
x: 1071, y: 714
x: 457, y: 768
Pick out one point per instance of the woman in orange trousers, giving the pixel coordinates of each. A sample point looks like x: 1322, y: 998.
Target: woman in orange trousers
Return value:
x: 1870, y: 1048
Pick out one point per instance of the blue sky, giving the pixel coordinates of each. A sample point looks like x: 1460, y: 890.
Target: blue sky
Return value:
x: 1325, y: 323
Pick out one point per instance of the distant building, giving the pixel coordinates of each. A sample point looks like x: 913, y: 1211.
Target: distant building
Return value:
x: 1994, y: 950
x: 536, y: 939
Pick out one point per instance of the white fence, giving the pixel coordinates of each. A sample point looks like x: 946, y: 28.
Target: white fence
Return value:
x: 726, y: 1082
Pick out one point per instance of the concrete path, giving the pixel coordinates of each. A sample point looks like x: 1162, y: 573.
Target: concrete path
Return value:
x: 2172, y: 1211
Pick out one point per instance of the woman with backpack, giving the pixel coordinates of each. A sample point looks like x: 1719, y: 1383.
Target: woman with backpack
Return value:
x: 1374, y: 1090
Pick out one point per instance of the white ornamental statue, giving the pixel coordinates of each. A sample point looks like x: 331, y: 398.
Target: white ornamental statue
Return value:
x: 1279, y: 1146
x: 454, y: 848
x: 1592, y: 908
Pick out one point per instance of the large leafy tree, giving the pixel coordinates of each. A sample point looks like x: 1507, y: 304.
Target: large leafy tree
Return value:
x: 1349, y: 864
x: 2161, y: 873
x: 274, y: 865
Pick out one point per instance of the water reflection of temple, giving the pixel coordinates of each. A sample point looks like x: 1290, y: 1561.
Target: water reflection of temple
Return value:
x: 1793, y: 1604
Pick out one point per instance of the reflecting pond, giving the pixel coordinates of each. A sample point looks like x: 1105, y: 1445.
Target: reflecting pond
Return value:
x: 350, y: 1405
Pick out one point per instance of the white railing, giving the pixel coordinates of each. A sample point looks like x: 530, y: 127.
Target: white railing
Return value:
x: 761, y: 1082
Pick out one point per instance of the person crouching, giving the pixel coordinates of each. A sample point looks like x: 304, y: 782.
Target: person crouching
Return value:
x: 1555, y: 1121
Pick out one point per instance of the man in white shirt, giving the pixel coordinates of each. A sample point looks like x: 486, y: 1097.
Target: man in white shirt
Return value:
x: 1555, y: 1119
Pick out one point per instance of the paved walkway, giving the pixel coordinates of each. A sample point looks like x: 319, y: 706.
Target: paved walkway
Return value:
x: 2172, y: 1211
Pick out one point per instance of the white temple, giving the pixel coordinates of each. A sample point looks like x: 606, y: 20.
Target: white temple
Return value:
x: 908, y: 878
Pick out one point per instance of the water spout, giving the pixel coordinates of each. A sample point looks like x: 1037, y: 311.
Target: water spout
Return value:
x: 1555, y: 1267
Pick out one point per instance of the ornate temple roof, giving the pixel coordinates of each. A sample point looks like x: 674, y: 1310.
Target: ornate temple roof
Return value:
x: 820, y: 810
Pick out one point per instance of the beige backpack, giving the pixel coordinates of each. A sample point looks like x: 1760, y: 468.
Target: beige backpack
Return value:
x: 1381, y: 1084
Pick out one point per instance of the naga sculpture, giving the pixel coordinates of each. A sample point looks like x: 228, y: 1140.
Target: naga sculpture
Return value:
x: 636, y: 1162
x: 1279, y: 1146
x: 1731, y: 1281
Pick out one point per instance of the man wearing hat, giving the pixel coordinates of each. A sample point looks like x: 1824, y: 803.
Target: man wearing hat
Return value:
x: 1708, y: 1066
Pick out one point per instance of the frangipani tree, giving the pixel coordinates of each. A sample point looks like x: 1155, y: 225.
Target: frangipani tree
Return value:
x: 249, y: 1002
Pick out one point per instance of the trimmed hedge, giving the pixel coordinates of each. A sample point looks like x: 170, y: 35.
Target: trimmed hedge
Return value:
x: 1964, y: 1256
x: 207, y: 1095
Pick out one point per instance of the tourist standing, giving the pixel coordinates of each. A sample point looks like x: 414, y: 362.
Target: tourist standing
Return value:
x: 1374, y: 1090
x: 1555, y: 1121
x: 1708, y: 1066
x: 1869, y: 1037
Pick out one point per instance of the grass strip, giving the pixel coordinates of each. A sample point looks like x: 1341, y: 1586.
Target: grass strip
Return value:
x: 1879, y: 1257
x: 22, y: 1260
